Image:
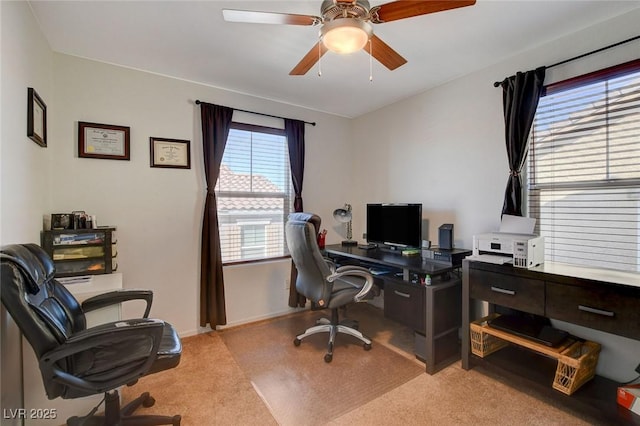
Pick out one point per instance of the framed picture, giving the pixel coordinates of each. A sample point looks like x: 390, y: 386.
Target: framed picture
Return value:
x: 170, y: 153
x: 36, y: 118
x: 103, y: 141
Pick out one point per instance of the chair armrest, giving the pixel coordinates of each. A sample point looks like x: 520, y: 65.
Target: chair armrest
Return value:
x: 331, y: 264
x: 353, y: 270
x: 346, y: 268
x: 105, y: 335
x: 118, y: 296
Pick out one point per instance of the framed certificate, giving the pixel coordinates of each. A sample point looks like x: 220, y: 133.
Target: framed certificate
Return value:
x: 103, y: 141
x: 36, y: 118
x: 170, y: 153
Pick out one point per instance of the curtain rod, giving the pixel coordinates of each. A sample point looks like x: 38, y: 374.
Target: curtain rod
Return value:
x: 198, y: 102
x: 497, y: 83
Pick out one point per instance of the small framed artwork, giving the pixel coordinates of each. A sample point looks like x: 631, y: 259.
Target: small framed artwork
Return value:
x: 36, y: 118
x: 103, y: 141
x: 170, y: 153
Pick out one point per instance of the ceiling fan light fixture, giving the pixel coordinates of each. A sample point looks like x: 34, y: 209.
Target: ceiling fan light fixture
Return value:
x: 346, y: 35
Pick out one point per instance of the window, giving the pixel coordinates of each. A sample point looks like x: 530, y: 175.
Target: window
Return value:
x: 254, y: 193
x: 584, y: 169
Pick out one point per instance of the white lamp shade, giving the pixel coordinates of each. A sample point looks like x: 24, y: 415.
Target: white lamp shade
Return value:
x: 346, y: 35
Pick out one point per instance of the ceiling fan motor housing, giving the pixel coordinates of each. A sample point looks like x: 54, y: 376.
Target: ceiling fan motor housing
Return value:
x: 335, y: 9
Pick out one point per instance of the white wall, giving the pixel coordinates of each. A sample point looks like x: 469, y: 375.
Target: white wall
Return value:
x: 24, y: 192
x: 26, y: 62
x: 445, y: 149
x: 158, y: 212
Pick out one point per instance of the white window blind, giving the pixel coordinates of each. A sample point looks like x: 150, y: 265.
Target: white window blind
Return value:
x: 254, y: 194
x: 584, y: 171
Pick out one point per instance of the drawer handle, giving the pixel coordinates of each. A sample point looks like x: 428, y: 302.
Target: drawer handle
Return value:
x: 399, y: 293
x: 596, y: 311
x: 503, y: 291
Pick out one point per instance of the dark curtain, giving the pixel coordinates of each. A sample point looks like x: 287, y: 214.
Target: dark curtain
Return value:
x: 520, y: 96
x: 294, y: 129
x: 216, y: 121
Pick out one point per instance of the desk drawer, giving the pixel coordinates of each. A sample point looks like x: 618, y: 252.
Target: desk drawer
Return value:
x: 611, y: 310
x: 405, y: 303
x: 508, y: 290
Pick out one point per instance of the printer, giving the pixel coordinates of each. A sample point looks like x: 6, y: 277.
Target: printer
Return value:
x: 527, y: 250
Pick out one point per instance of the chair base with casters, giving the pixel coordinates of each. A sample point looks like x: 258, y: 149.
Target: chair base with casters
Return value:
x: 115, y: 415
x: 333, y: 327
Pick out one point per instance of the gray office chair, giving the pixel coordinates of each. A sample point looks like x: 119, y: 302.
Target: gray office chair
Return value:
x: 325, y: 286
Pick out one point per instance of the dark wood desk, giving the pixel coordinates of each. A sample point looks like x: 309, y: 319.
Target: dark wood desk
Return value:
x: 600, y: 299
x: 433, y: 311
x: 393, y: 259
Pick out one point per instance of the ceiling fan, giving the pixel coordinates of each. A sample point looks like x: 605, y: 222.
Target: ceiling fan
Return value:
x: 345, y: 26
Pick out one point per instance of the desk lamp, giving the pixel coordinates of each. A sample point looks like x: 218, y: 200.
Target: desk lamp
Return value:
x: 343, y: 215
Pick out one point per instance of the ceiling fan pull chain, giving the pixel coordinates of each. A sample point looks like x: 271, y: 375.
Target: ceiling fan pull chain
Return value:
x: 320, y: 58
x: 370, y: 62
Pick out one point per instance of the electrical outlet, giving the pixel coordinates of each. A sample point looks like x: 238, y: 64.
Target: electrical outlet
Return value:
x: 287, y: 283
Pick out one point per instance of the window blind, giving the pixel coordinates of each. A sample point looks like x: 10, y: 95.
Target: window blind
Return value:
x: 584, y: 171
x: 254, y: 194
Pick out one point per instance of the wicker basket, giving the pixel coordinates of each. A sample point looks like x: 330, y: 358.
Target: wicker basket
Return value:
x: 483, y: 344
x: 577, y: 359
x: 576, y: 366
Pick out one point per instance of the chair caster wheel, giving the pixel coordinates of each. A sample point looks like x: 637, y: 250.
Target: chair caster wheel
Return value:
x: 367, y: 346
x: 296, y: 342
x: 328, y: 358
x: 148, y: 401
x: 176, y: 420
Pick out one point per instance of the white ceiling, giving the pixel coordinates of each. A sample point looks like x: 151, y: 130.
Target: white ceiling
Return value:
x: 190, y: 40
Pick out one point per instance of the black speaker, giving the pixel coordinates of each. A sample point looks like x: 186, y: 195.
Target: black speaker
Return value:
x: 445, y: 236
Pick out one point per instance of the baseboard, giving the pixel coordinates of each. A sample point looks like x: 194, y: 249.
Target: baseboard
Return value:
x: 259, y: 318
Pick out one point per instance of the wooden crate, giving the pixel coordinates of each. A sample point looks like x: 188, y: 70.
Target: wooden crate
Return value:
x: 577, y: 359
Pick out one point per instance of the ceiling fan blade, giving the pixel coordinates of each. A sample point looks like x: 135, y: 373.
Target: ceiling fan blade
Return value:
x: 384, y: 54
x: 309, y: 59
x: 406, y: 9
x: 253, y: 17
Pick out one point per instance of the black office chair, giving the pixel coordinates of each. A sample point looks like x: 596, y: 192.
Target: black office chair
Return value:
x: 323, y: 284
x: 76, y: 361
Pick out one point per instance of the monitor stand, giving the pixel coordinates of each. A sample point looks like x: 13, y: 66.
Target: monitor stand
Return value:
x: 391, y: 249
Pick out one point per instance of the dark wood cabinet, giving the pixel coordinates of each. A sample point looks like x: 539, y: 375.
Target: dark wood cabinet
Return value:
x: 516, y: 292
x: 431, y: 311
x: 404, y: 303
x: 599, y: 299
x: 614, y: 310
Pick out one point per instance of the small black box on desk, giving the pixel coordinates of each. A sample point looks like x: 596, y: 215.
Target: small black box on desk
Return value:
x: 451, y: 257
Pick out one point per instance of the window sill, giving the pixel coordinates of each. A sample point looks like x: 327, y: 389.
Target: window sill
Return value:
x: 254, y: 261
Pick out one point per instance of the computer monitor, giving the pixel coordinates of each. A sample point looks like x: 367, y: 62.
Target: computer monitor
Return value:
x: 395, y: 225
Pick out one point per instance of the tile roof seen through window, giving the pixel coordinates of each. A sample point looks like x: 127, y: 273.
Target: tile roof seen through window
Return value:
x: 229, y: 181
